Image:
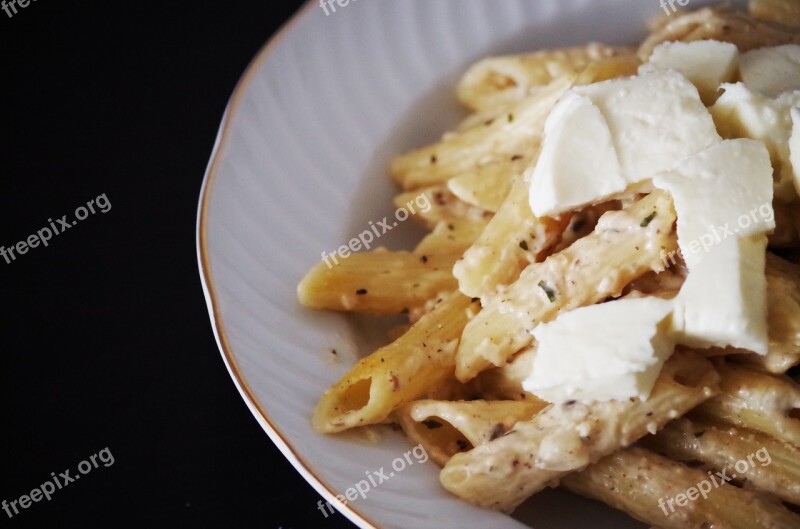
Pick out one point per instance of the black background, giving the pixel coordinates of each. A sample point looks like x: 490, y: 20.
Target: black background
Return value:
x: 106, y: 337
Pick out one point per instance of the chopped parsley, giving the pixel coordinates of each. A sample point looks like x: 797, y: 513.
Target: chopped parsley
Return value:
x: 523, y: 245
x: 648, y: 219
x: 551, y: 294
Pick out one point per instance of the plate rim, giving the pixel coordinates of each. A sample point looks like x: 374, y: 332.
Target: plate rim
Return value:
x: 209, y: 291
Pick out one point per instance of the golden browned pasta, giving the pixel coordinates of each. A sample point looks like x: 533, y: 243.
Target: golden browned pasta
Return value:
x: 757, y: 401
x: 446, y: 428
x: 642, y: 483
x: 567, y: 437
x: 513, y: 239
x: 772, y: 465
x: 598, y: 266
x: 497, y: 142
x: 398, y: 373
x: 378, y: 282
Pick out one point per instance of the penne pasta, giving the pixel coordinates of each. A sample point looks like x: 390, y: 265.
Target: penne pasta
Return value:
x: 398, y: 373
x: 505, y: 383
x: 475, y: 289
x: 754, y: 400
x: 446, y: 428
x: 746, y: 32
x: 497, y: 142
x: 623, y: 64
x: 594, y: 268
x: 451, y: 237
x: 378, y: 282
x: 783, y: 296
x: 786, y: 12
x: 567, y: 437
x: 445, y: 207
x: 513, y: 239
x: 777, y: 471
x: 497, y: 81
x: 488, y: 185
x: 643, y: 484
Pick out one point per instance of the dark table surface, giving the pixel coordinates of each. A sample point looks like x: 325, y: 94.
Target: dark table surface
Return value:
x: 107, y: 347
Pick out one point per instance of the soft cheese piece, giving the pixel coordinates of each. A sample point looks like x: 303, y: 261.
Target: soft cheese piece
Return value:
x: 613, y: 350
x: 724, y: 300
x: 794, y: 148
x: 723, y: 192
x: 706, y: 63
x: 656, y: 119
x: 651, y: 121
x: 772, y: 71
x: 742, y: 113
x: 578, y: 163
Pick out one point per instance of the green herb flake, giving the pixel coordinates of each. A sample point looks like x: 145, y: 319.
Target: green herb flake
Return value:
x: 551, y: 294
x: 523, y: 245
x: 511, y: 118
x: 648, y: 219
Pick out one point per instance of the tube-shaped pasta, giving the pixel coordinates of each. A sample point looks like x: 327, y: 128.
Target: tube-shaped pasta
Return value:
x: 497, y: 81
x: 377, y: 282
x: 499, y: 141
x: 783, y: 303
x: 445, y: 206
x: 451, y: 237
x: 757, y: 401
x: 786, y: 12
x: 398, y: 373
x: 646, y: 486
x: 745, y: 32
x: 513, y: 239
x: 488, y: 186
x: 772, y: 465
x: 446, y: 428
x: 600, y: 265
x: 567, y: 437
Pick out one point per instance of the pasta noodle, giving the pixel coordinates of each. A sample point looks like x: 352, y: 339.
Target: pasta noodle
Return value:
x: 490, y: 271
x: 568, y: 437
x: 594, y: 268
x: 396, y: 374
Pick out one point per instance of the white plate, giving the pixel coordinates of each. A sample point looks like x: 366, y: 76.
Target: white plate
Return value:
x: 299, y: 168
